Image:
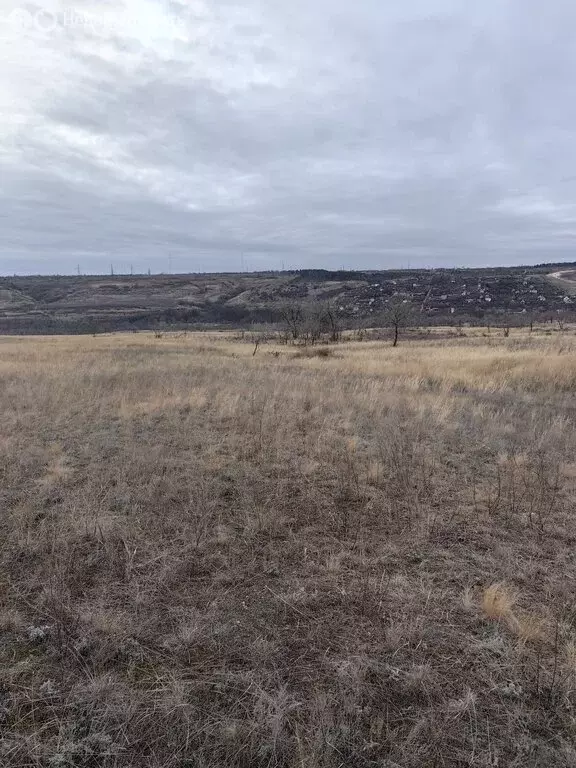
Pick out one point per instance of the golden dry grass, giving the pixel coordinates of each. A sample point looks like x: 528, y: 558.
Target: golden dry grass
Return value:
x: 497, y: 602
x: 214, y: 558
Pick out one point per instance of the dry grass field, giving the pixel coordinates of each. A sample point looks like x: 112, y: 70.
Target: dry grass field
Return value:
x: 214, y: 559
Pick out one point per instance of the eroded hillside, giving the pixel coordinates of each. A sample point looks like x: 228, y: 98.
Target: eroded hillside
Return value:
x: 90, y: 304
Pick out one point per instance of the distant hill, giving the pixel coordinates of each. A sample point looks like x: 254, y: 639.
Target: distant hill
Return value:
x: 102, y: 303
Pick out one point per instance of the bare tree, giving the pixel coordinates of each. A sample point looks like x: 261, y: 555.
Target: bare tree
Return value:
x: 293, y: 320
x: 309, y: 324
x: 311, y: 327
x: 331, y: 319
x: 398, y: 315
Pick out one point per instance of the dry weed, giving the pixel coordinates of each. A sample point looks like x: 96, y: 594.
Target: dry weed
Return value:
x: 214, y: 558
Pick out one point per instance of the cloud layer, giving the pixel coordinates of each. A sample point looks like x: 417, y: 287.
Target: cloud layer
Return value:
x: 210, y: 135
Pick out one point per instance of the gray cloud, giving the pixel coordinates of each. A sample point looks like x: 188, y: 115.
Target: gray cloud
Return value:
x: 360, y: 134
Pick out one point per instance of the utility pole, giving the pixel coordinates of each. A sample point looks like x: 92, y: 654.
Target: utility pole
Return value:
x: 131, y: 269
x: 78, y: 270
x: 112, y: 270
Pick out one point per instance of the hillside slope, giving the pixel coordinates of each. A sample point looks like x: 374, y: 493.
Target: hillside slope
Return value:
x: 88, y: 304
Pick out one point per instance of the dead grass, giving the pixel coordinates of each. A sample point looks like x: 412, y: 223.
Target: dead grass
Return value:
x: 214, y: 558
x: 498, y: 602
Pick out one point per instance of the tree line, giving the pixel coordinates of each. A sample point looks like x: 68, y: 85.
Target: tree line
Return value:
x: 311, y: 323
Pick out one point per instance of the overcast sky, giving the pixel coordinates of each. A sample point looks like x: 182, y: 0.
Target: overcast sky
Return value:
x: 205, y: 135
